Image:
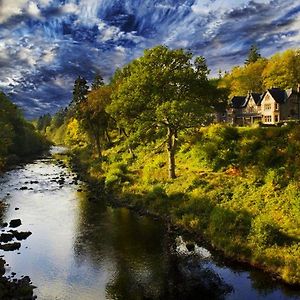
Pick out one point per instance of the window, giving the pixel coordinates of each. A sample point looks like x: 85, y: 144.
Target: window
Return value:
x: 268, y: 119
x: 277, y: 106
x: 276, y: 118
x: 267, y: 106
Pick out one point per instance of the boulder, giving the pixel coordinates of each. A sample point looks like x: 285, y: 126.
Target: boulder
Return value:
x: 23, y: 235
x: 10, y: 246
x: 6, y: 237
x: 15, y: 223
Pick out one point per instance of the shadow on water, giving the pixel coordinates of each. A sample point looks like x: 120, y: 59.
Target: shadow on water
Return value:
x: 138, y: 248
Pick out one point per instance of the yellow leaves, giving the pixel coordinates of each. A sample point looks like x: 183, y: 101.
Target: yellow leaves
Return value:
x: 281, y: 70
x: 74, y: 137
x: 245, y: 78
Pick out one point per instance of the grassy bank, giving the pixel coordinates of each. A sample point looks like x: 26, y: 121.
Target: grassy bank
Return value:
x: 236, y: 187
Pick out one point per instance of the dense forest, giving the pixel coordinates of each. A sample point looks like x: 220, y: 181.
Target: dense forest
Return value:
x: 19, y: 139
x: 148, y: 137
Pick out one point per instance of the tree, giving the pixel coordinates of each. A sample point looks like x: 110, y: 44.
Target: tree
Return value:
x: 162, y: 92
x: 93, y: 116
x: 80, y: 91
x: 253, y: 55
x: 246, y: 78
x: 43, y: 122
x: 98, y: 81
x: 59, y: 118
x: 283, y: 70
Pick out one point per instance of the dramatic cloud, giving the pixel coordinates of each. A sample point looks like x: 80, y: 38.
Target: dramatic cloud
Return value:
x: 46, y: 44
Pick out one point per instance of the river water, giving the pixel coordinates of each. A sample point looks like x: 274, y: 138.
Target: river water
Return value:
x: 81, y: 249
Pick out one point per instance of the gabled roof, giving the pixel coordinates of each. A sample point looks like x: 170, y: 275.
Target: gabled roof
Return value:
x: 290, y: 92
x: 278, y: 95
x: 238, y: 101
x: 257, y: 97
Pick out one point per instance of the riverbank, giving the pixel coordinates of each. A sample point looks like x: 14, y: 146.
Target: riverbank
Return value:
x: 19, y: 139
x: 249, y: 214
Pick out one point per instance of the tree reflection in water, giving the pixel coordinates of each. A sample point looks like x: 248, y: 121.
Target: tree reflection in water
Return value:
x: 135, y: 252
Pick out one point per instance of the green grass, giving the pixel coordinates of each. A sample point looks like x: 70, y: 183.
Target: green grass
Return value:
x: 237, y: 187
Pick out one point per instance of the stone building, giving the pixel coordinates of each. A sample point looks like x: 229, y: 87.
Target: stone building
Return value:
x: 280, y: 105
x: 273, y: 106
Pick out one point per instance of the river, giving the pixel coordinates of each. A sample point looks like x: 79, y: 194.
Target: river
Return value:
x: 82, y: 249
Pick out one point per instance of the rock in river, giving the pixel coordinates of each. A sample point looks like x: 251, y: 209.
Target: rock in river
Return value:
x: 15, y: 223
x: 10, y: 246
x: 6, y: 237
x: 23, y: 235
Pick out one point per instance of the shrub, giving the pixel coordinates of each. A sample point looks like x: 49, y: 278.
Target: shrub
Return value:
x: 263, y: 232
x: 116, y: 175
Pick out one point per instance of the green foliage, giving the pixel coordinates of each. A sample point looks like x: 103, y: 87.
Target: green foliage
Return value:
x: 226, y: 223
x: 281, y: 70
x: 116, y: 175
x: 220, y: 147
x: 93, y: 116
x: 98, y: 82
x: 18, y: 138
x: 43, y: 122
x: 263, y: 232
x: 59, y: 118
x: 80, y: 91
x: 253, y: 55
x: 243, y: 79
x: 162, y: 92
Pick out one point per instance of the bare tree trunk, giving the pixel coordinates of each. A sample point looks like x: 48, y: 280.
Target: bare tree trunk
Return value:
x: 171, y: 147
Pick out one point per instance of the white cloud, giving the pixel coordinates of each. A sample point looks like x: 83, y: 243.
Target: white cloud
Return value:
x: 33, y: 10
x: 9, y: 8
x: 48, y: 56
x: 70, y: 8
x: 45, y: 2
x: 28, y: 56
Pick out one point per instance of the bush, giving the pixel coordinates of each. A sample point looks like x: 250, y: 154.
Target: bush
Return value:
x: 263, y: 232
x: 116, y: 175
x: 220, y: 146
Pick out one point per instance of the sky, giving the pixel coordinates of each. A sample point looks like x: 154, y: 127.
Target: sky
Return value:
x: 46, y: 44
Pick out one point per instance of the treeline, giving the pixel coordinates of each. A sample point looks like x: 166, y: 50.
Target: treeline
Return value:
x: 282, y: 70
x: 18, y: 138
x: 157, y: 96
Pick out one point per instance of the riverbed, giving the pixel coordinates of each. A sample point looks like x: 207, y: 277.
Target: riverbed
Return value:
x: 82, y: 248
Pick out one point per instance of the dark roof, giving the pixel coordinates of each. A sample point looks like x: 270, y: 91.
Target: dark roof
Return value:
x: 278, y: 95
x: 238, y: 101
x: 256, y: 97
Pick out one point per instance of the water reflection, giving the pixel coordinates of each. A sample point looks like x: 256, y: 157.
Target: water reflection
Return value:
x: 85, y: 250
x: 132, y: 248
